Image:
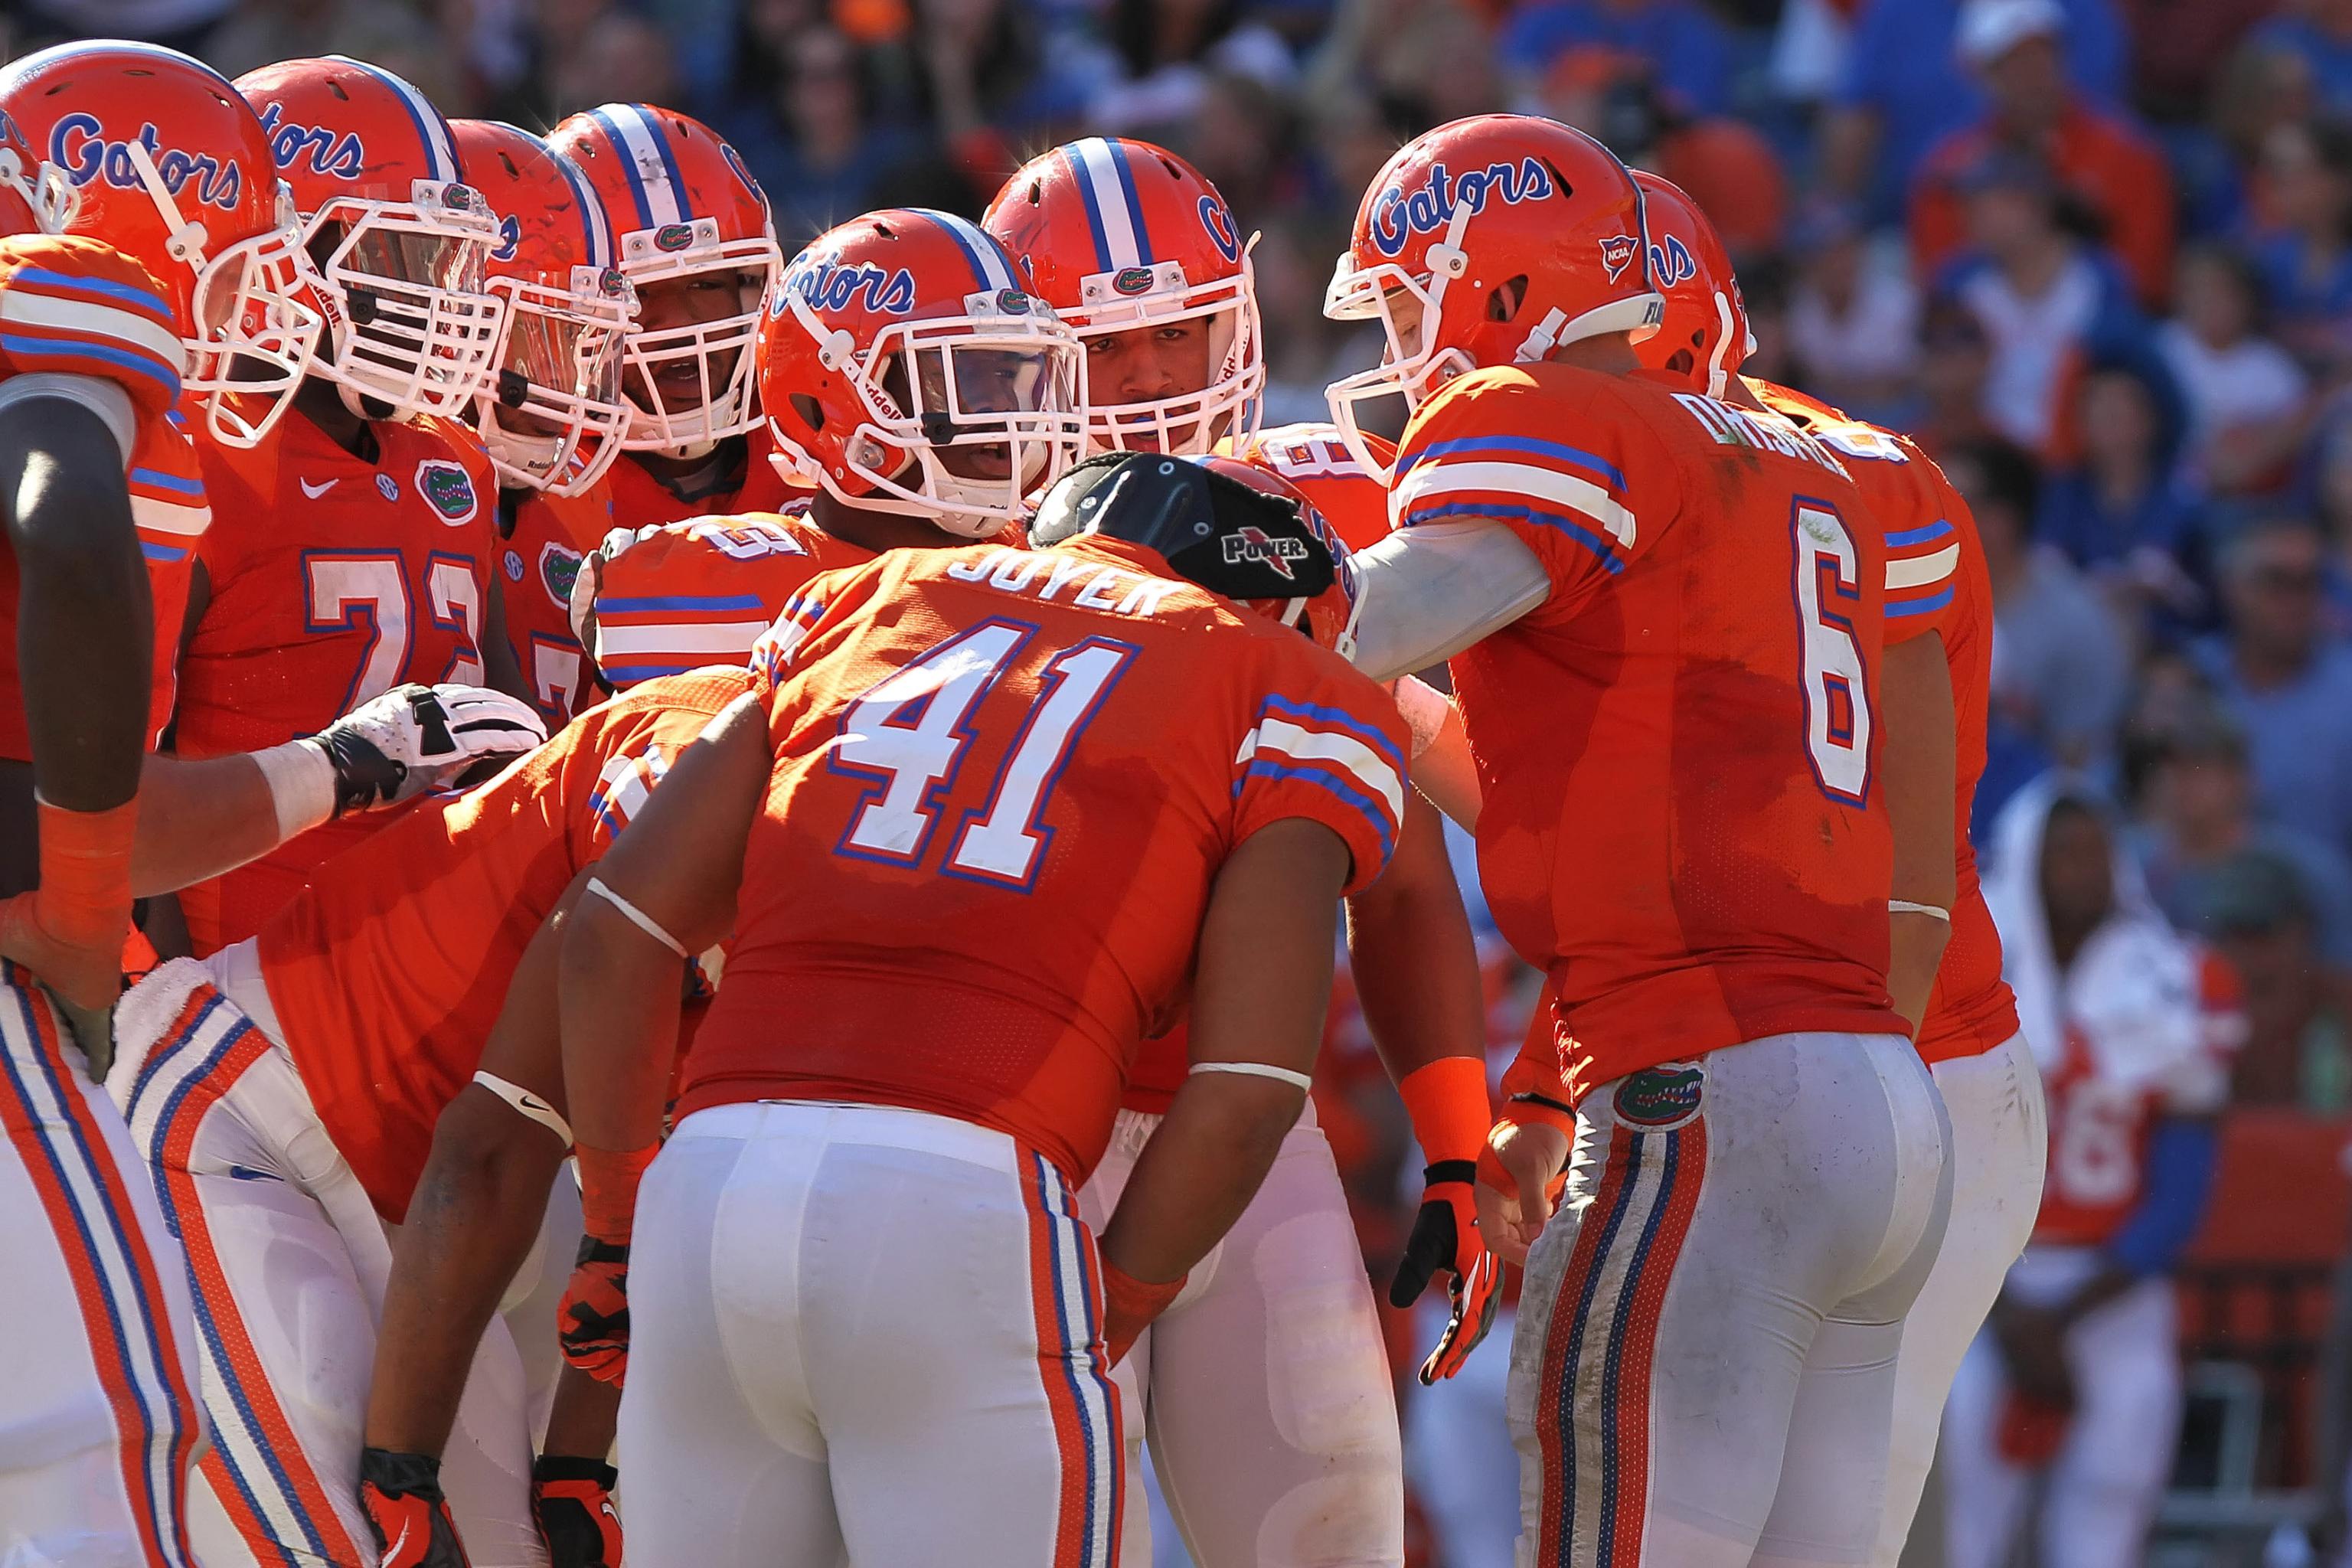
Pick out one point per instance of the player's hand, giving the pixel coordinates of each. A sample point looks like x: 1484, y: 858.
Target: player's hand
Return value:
x: 83, y: 982
x: 401, y: 1495
x: 414, y: 738
x: 1518, y: 1184
x: 571, y: 1504
x: 592, y: 1323
x: 1445, y: 1235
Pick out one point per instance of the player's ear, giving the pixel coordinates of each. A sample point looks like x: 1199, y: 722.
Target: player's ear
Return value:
x: 1504, y: 300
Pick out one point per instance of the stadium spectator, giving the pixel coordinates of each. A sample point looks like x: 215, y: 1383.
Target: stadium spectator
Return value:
x: 2319, y: 34
x: 2297, y: 1051
x: 2038, y: 292
x: 1853, y: 319
x: 1953, y: 361
x: 2060, y: 663
x: 1164, y: 52
x: 620, y: 57
x: 2245, y: 394
x: 2284, y: 681
x: 813, y: 143
x: 1684, y: 46
x: 2117, y: 508
x: 2303, y: 245
x: 2105, y: 165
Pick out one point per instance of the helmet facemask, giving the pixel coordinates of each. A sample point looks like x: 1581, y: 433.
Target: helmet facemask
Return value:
x: 411, y: 322
x: 555, y: 418
x: 964, y: 417
x: 1187, y: 423
x: 693, y: 385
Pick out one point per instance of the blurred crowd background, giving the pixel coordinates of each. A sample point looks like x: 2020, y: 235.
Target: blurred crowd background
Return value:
x: 2096, y: 254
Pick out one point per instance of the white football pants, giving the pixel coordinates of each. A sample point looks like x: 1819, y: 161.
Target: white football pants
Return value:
x: 1703, y: 1373
x: 99, y: 1415
x: 289, y: 1263
x: 2000, y: 1140
x: 1265, y: 1387
x: 858, y: 1329
x: 2108, y: 1474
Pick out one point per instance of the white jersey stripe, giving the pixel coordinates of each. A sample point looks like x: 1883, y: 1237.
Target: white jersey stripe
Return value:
x: 1441, y: 478
x: 28, y: 307
x: 734, y: 638
x: 1331, y: 746
x: 1924, y: 570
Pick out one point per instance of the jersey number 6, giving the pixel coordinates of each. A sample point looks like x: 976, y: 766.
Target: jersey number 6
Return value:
x: 910, y: 732
x: 1827, y: 581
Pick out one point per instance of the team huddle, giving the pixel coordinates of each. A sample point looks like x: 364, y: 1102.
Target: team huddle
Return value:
x: 738, y: 860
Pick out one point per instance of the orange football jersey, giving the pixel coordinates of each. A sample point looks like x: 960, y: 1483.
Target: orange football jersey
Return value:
x: 1936, y: 582
x: 333, y: 579
x: 2100, y: 1122
x: 1676, y: 747
x: 79, y: 307
x: 689, y: 593
x: 1003, y: 782
x: 389, y: 969
x: 1316, y: 459
x: 641, y: 500
x: 545, y: 539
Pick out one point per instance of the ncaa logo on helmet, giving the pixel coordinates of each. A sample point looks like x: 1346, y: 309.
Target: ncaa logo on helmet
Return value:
x: 1670, y: 263
x: 331, y: 157
x: 1220, y: 224
x: 1255, y: 544
x: 1617, y: 253
x: 1398, y: 215
x: 76, y: 146
x: 832, y: 286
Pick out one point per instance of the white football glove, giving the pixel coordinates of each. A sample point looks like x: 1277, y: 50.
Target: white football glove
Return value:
x: 416, y: 737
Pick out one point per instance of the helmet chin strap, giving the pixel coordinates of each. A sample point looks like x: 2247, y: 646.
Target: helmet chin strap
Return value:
x: 185, y: 237
x: 1718, y: 374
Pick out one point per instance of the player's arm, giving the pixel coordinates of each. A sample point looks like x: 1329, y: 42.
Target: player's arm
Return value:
x: 85, y: 645
x: 665, y: 889
x: 1262, y: 980
x: 200, y: 818
x: 1919, y: 762
x: 1416, y: 968
x: 1431, y: 591
x: 497, y: 1148
x: 1442, y: 769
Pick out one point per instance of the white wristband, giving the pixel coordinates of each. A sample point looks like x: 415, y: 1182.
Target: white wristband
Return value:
x: 638, y: 918
x: 302, y: 778
x: 1258, y: 1069
x: 1905, y: 907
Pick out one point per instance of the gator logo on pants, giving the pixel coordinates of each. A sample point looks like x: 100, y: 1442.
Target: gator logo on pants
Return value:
x: 447, y: 489
x: 1663, y: 1097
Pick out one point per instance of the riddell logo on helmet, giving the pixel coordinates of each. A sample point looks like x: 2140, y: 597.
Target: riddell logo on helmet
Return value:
x: 78, y: 146
x: 1617, y: 253
x: 331, y: 156
x: 1255, y: 545
x: 1397, y: 216
x: 832, y: 286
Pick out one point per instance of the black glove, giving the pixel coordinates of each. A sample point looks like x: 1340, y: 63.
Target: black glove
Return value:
x: 572, y: 1503
x: 401, y: 1495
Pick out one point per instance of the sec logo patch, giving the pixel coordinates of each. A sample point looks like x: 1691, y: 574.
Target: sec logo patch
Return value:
x: 387, y: 486
x: 447, y: 489
x: 1660, y: 1098
x: 513, y: 564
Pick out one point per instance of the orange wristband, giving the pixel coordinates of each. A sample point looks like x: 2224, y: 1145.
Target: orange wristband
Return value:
x: 1129, y: 1305
x: 1447, y: 1101
x: 608, y: 1189
x: 85, y: 893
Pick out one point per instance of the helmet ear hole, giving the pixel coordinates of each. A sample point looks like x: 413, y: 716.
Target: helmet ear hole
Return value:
x: 1504, y: 301
x: 1682, y: 362
x: 811, y: 412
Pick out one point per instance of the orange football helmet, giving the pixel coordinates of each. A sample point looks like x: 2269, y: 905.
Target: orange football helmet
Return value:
x: 903, y: 368
x: 1488, y: 241
x: 398, y: 239
x: 556, y: 419
x: 1118, y: 235
x: 35, y: 195
x: 168, y: 165
x: 1704, y: 334
x: 690, y: 219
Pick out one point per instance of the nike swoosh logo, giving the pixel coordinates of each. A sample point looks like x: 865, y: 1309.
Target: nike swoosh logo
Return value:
x: 315, y: 491
x: 391, y: 1552
x: 532, y: 1103
x: 248, y: 1173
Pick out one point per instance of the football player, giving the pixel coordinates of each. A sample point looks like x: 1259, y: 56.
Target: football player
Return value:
x: 851, y: 335
x: 96, y: 1392
x: 696, y: 240
x: 1141, y: 258
x: 2077, y: 1373
x: 353, y: 548
x: 554, y: 418
x: 1691, y: 841
x: 1156, y: 774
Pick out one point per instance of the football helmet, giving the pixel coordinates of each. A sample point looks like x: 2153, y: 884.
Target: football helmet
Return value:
x: 903, y: 368
x: 1239, y: 531
x: 36, y: 197
x: 554, y: 419
x: 1118, y: 235
x: 691, y: 223
x: 1704, y: 334
x: 398, y: 240
x: 1488, y: 241
x: 168, y: 165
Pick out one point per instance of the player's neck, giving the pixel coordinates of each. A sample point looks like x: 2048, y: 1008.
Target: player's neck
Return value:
x: 877, y: 531
x: 1611, y: 354
x: 321, y: 402
x: 691, y: 479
